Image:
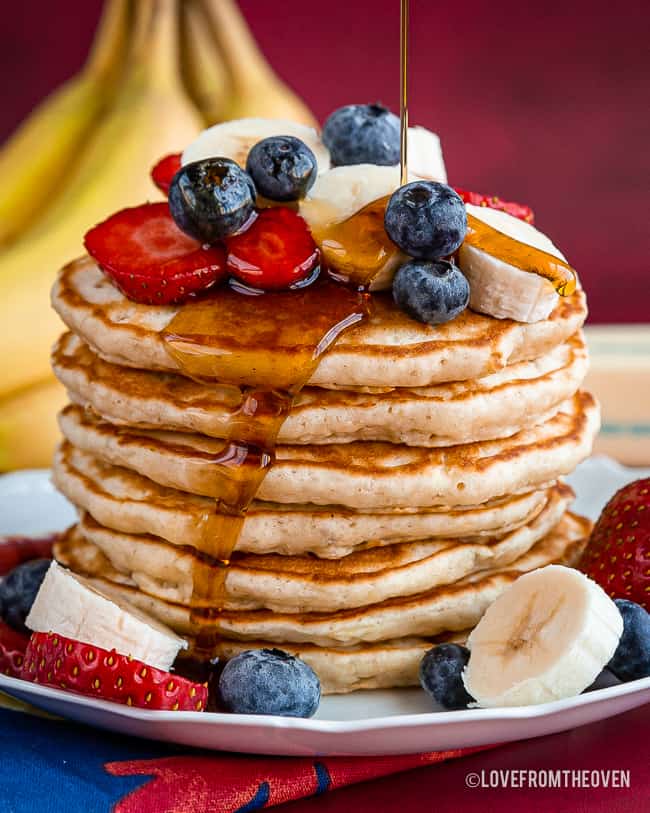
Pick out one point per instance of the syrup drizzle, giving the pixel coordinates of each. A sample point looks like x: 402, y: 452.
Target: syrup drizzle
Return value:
x: 520, y: 255
x: 357, y: 249
x: 403, y: 106
x: 263, y: 349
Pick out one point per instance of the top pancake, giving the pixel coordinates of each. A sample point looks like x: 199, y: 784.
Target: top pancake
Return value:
x: 387, y: 350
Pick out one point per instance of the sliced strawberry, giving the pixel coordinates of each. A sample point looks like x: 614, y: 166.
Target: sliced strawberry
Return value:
x: 618, y: 553
x: 276, y: 251
x: 62, y: 663
x: 12, y: 651
x: 164, y: 171
x: 150, y: 259
x: 492, y: 202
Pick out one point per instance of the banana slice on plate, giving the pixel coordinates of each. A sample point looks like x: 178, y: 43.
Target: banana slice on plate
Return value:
x: 499, y: 288
x: 547, y: 637
x: 67, y: 605
x: 234, y: 139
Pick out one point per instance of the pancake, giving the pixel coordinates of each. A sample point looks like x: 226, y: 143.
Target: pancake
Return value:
x: 387, y: 350
x: 447, y: 608
x: 306, y: 584
x: 358, y: 475
x: 498, y: 405
x: 125, y: 501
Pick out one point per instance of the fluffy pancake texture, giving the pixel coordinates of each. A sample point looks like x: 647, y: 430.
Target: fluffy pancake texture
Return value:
x: 445, y: 608
x: 302, y: 584
x: 126, y: 501
x: 359, y: 475
x: 388, y: 350
x: 498, y: 405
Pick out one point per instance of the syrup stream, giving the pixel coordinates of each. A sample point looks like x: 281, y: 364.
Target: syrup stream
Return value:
x: 266, y: 348
x: 403, y: 107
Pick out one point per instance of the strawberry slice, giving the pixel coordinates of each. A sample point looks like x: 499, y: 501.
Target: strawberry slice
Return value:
x: 275, y: 252
x: 164, y: 171
x: 12, y: 651
x: 618, y: 553
x: 150, y: 259
x: 492, y: 202
x: 63, y: 663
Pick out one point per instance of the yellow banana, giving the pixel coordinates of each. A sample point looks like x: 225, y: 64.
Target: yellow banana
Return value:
x: 35, y: 159
x: 203, y: 69
x: 151, y: 116
x: 254, y: 89
x: 28, y: 427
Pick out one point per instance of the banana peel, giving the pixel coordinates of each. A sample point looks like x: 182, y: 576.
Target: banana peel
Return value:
x: 29, y: 432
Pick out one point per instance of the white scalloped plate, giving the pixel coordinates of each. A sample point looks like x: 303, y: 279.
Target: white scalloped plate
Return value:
x: 363, y: 723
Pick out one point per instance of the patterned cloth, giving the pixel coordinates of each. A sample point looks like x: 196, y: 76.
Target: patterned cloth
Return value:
x: 50, y: 766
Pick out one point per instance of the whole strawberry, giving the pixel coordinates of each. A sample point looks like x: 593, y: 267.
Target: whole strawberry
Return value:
x: 63, y: 663
x: 618, y: 553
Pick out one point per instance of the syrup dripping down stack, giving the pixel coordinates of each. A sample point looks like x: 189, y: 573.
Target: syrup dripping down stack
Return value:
x: 415, y: 475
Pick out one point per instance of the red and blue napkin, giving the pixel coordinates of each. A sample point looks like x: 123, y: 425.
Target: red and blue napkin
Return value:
x: 59, y: 767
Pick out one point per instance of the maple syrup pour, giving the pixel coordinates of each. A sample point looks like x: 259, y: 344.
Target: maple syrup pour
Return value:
x: 266, y: 346
x: 482, y: 236
x: 403, y: 106
x: 358, y: 248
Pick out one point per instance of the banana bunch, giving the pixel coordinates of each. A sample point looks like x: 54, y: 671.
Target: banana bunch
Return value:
x: 159, y: 71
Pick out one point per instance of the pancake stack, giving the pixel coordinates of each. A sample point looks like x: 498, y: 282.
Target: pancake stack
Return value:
x: 416, y: 476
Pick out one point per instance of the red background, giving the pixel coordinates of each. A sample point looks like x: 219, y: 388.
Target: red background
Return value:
x: 545, y: 103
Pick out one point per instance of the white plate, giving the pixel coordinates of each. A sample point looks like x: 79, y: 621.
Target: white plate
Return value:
x: 363, y: 723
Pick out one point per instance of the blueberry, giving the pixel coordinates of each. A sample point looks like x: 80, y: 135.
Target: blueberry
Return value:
x: 18, y: 590
x: 431, y: 292
x: 282, y: 167
x: 211, y: 199
x: 426, y: 219
x: 440, y: 675
x: 269, y: 681
x: 604, y: 680
x: 632, y: 657
x: 362, y: 134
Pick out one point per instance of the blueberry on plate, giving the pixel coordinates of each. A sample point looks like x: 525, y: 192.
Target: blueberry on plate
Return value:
x: 211, y: 199
x: 18, y: 590
x: 269, y: 681
x: 441, y: 675
x: 282, y: 167
x: 426, y: 219
x: 362, y: 134
x: 632, y: 657
x: 431, y: 292
x: 604, y: 680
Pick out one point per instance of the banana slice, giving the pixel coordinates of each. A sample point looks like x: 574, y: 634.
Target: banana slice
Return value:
x: 358, y: 250
x: 498, y: 288
x: 425, y: 155
x: 547, y: 637
x: 341, y: 192
x: 234, y: 139
x: 66, y: 604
